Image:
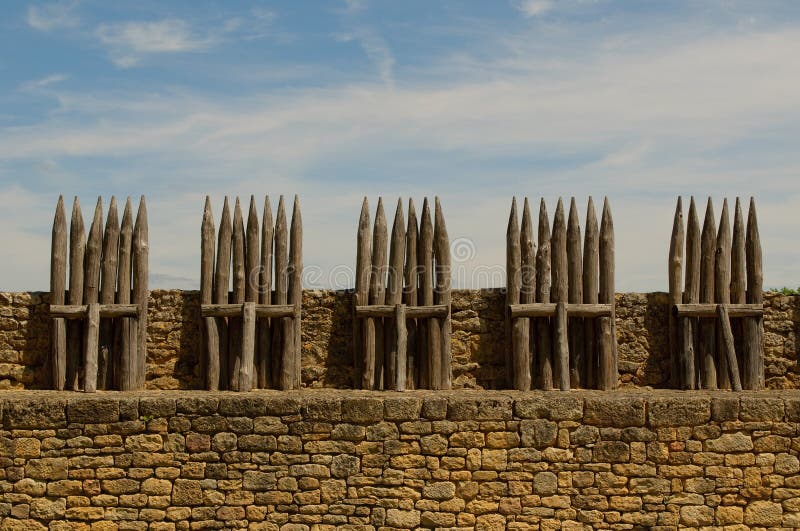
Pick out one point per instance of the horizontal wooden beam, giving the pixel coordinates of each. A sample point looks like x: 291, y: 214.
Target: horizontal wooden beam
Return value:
x: 710, y: 310
x: 80, y: 311
x: 412, y: 312
x: 549, y: 310
x: 236, y: 310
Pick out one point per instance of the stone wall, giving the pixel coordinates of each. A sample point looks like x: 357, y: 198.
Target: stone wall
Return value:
x: 322, y: 459
x: 174, y: 340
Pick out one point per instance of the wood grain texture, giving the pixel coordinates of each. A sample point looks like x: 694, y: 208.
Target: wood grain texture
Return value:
x: 591, y: 287
x: 516, y: 363
x: 394, y: 294
x: 544, y: 359
x: 410, y: 295
x: 222, y: 275
x: 141, y: 292
x: 293, y: 349
x: 675, y: 277
x: 77, y: 251
x: 441, y: 253
x: 430, y: 331
x: 237, y: 296
x: 753, y: 370
x: 575, y: 281
x: 373, y: 363
x: 707, y: 343
x: 730, y: 351
x: 722, y: 291
x: 361, y: 296
x: 608, y: 373
x: 210, y: 367
x: 108, y: 288
x: 527, y: 291
x: 91, y: 338
x: 125, y: 333
x: 264, y: 327
x: 58, y: 286
x: 690, y: 356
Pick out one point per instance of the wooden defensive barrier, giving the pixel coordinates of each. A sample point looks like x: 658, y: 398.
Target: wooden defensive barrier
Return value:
x: 252, y: 333
x: 723, y: 282
x: 402, y: 328
x: 560, y: 302
x: 99, y: 348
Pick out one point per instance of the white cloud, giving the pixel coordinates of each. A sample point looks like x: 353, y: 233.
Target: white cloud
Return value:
x: 38, y: 84
x: 169, y: 35
x: 533, y: 8
x: 46, y: 17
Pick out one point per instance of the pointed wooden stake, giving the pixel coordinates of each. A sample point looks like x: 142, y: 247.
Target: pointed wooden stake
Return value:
x: 591, y: 287
x: 410, y: 296
x: 292, y: 360
x: 211, y: 373
x: 235, y: 323
x: 77, y: 252
x: 125, y: 334
x: 753, y: 328
x: 674, y: 273
x: 394, y: 296
x: 722, y: 291
x: 608, y: 373
x: 281, y: 292
x: 58, y: 286
x: 428, y: 360
x: 543, y: 281
x: 708, y: 245
x: 141, y: 293
x: 442, y: 296
x: 575, y: 274
x: 264, y: 350
x: 108, y: 286
x: 560, y: 293
x: 373, y: 362
x: 362, y: 377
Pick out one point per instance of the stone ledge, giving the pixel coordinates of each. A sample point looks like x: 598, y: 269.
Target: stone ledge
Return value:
x: 620, y: 409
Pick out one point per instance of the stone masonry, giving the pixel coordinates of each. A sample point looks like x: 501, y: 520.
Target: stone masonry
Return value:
x: 322, y: 459
x: 174, y: 344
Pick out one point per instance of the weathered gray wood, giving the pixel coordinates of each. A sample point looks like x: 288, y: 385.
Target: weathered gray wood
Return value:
x: 210, y: 332
x: 361, y: 297
x: 231, y: 310
x: 544, y: 358
x: 707, y: 347
x: 401, y: 336
x: 591, y: 287
x: 429, y: 364
x: 141, y: 292
x: 77, y: 251
x: 441, y: 251
x: 722, y: 290
x: 410, y: 295
x: 292, y: 327
x: 575, y: 281
x: 108, y: 287
x: 607, y: 373
x: 527, y: 288
x: 373, y: 360
x: 560, y: 294
x: 675, y: 275
x: 237, y: 296
x: 281, y: 291
x: 738, y: 279
x: 251, y: 259
x: 394, y: 294
x: 691, y: 295
x: 573, y: 310
x: 222, y: 283
x: 79, y: 311
x: 264, y: 349
x: 730, y: 351
x: 91, y: 338
x: 753, y: 359
x: 438, y: 311
x: 94, y: 251
x: 58, y: 286
x: 710, y: 310
x: 248, y: 346
x: 516, y: 350
x: 125, y: 333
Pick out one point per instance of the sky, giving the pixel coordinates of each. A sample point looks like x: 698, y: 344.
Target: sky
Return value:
x: 474, y: 102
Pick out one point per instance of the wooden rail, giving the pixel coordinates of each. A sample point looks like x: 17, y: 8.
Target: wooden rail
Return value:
x: 723, y: 281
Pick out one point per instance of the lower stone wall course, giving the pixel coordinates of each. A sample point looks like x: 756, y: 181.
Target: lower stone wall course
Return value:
x: 325, y: 459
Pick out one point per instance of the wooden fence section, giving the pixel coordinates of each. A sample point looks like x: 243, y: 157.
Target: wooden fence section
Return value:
x: 560, y: 300
x: 402, y: 328
x: 708, y: 349
x: 252, y: 333
x: 94, y: 344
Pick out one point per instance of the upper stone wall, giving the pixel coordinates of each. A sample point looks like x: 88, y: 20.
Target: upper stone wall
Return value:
x: 174, y: 342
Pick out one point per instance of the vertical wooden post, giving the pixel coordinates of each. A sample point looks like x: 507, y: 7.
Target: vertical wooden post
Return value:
x: 753, y: 327
x: 91, y: 338
x: 401, y: 337
x: 91, y: 286
x: 722, y: 291
x: 211, y: 373
x: 235, y: 323
x: 141, y: 292
x: 560, y: 294
x: 730, y: 350
x: 441, y: 252
x: 252, y: 273
x: 394, y: 294
x: 125, y: 334
x: 221, y: 286
x: 281, y: 293
x: 108, y: 286
x: 690, y: 363
x: 264, y: 351
x: 527, y: 291
x: 543, y: 281
x: 515, y: 349
x: 377, y: 294
x: 575, y: 273
x: 738, y: 279
x: 410, y: 296
x: 608, y: 373
x: 591, y: 287
x: 363, y: 378
x: 708, y: 244
x: 58, y: 285
x: 674, y: 274
x: 292, y: 354
x: 77, y: 252
x: 248, y: 346
x: 430, y: 335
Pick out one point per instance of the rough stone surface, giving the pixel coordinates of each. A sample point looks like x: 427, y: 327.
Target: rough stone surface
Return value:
x: 478, y: 343
x: 326, y: 459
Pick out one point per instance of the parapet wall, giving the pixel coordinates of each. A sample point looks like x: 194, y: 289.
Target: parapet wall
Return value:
x: 478, y: 343
x: 324, y: 459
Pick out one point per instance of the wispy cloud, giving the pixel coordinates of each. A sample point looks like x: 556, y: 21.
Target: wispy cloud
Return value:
x: 129, y: 40
x: 47, y: 17
x: 533, y: 8
x: 38, y: 84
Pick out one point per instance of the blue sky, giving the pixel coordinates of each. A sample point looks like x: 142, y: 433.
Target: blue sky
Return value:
x: 471, y: 101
